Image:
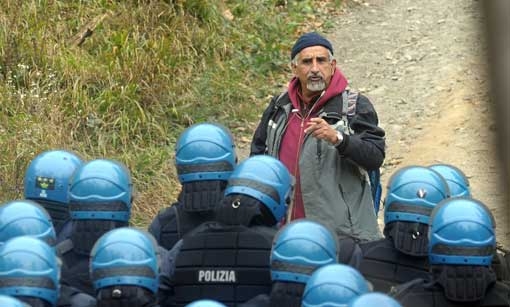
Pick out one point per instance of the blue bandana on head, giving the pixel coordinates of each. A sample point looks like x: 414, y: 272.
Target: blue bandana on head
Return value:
x: 308, y: 40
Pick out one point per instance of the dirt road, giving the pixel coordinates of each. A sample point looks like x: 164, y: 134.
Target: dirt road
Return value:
x: 424, y: 67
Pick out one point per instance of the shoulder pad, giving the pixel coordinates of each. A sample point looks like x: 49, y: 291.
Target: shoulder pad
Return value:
x: 346, y: 247
x: 398, y: 290
x: 64, y: 247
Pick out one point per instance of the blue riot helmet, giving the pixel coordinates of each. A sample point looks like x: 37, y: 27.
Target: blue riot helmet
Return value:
x: 205, y: 151
x: 462, y: 244
x: 265, y: 179
x: 29, y: 268
x: 101, y: 190
x: 334, y: 285
x: 9, y: 301
x: 25, y: 218
x: 204, y: 158
x: 456, y: 179
x: 47, y: 180
x: 299, y: 248
x: 205, y: 303
x: 125, y: 257
x: 412, y: 193
x: 374, y: 299
x: 462, y: 232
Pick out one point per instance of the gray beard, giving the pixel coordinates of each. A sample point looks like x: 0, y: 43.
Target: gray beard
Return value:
x: 316, y: 86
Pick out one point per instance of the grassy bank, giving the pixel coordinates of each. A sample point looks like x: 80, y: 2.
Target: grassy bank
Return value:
x: 122, y: 79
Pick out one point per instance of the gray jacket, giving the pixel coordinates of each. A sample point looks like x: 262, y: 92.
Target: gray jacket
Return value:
x: 334, y: 182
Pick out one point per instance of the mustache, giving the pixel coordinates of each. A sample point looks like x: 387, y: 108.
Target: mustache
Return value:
x: 319, y: 75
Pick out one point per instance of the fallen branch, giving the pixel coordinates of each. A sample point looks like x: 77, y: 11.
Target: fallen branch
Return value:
x: 87, y: 31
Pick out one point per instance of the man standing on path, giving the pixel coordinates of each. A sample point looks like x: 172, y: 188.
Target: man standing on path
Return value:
x: 329, y: 156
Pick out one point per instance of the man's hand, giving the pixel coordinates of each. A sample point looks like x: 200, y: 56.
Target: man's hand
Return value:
x: 320, y: 129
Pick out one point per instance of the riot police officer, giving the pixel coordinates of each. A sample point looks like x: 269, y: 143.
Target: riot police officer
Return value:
x: 459, y: 187
x: 125, y: 269
x: 227, y: 260
x: 100, y: 200
x: 46, y: 182
x: 412, y: 193
x: 299, y: 248
x: 461, y: 247
x: 204, y: 158
x: 30, y: 271
x: 334, y: 285
x: 25, y: 218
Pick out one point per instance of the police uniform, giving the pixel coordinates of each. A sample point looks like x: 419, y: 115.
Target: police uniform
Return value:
x: 423, y: 293
x: 229, y: 264
x: 204, y: 159
x: 261, y: 300
x: 100, y: 200
x: 384, y: 266
x: 227, y: 260
x: 412, y: 193
x: 299, y: 248
x: 125, y: 268
x: 461, y: 248
x: 72, y: 297
x: 75, y: 267
x: 174, y: 222
x: 76, y: 257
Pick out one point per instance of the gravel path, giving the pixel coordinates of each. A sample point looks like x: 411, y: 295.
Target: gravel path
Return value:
x: 424, y: 67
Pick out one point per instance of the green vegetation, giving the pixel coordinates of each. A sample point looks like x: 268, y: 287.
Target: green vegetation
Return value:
x: 122, y: 79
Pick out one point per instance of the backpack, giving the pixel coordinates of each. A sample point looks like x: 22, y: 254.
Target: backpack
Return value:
x: 349, y: 100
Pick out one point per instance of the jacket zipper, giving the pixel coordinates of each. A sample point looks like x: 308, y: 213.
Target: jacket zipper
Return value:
x: 303, y: 119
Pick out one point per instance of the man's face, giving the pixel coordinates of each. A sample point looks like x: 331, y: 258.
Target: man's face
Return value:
x: 313, y: 69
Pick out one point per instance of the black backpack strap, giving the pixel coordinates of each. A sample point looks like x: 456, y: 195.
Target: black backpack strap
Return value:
x: 349, y: 101
x: 332, y: 111
x: 345, y: 105
x: 278, y: 103
x: 278, y: 99
x: 346, y: 248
